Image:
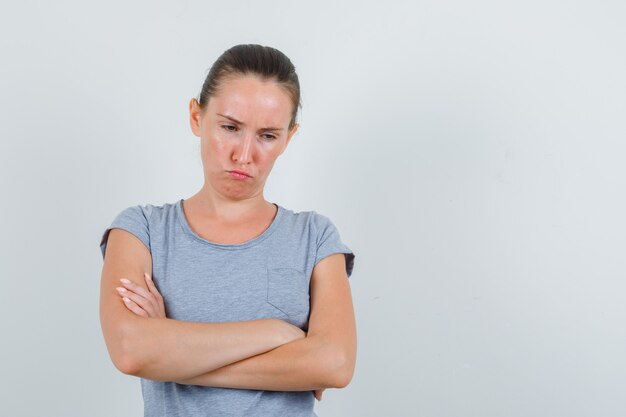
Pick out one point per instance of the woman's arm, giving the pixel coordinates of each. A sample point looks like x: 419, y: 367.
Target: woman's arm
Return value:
x: 162, y: 348
x: 324, y: 359
x: 301, y: 365
x: 167, y: 349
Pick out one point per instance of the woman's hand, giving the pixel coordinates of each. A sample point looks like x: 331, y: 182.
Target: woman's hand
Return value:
x: 144, y: 303
x: 318, y: 393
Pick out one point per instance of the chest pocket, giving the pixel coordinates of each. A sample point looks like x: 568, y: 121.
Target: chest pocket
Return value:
x: 288, y: 291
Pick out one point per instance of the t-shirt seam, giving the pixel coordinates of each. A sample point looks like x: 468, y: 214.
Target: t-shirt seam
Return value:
x: 317, y: 235
x: 148, y: 221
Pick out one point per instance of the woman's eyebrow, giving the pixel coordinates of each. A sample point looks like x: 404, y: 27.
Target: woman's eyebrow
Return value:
x: 231, y: 118
x: 243, y: 124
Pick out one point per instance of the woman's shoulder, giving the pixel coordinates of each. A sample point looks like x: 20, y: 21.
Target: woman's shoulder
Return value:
x: 322, y: 231
x: 309, y: 218
x: 147, y: 212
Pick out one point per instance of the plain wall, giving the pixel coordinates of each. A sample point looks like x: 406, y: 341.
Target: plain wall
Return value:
x: 470, y: 153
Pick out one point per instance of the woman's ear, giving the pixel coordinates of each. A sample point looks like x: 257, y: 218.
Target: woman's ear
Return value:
x: 292, y: 132
x: 195, y: 113
x: 289, y: 135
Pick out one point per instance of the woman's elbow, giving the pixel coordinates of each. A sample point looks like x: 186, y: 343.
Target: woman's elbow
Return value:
x: 126, y: 365
x: 343, y: 369
x: 124, y: 353
x: 344, y: 375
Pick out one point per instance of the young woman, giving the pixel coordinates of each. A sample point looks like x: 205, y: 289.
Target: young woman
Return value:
x: 224, y: 303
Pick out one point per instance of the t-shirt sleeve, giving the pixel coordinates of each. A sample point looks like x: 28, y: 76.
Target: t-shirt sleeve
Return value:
x: 329, y: 242
x: 132, y: 219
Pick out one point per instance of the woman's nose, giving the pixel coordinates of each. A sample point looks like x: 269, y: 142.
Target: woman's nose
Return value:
x: 243, y: 152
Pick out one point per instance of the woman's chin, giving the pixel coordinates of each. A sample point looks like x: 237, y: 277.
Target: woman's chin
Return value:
x: 235, y: 192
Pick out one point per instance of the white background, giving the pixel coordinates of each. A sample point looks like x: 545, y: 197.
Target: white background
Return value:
x: 470, y: 153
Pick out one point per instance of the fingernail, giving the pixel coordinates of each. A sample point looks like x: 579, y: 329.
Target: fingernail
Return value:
x: 120, y: 289
x: 147, y: 275
x: 125, y: 281
x: 126, y: 299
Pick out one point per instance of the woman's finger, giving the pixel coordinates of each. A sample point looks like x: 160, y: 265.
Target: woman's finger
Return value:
x: 155, y: 296
x: 160, y: 307
x: 153, y: 289
x: 138, y: 289
x: 132, y: 306
x: 141, y: 302
x: 318, y: 393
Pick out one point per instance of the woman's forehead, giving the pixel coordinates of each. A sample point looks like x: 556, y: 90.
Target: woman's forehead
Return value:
x: 247, y: 98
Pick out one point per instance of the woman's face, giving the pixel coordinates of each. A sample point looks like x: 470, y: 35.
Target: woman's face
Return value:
x: 244, y: 127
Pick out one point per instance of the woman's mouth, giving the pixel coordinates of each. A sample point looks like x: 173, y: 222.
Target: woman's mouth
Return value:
x: 238, y: 175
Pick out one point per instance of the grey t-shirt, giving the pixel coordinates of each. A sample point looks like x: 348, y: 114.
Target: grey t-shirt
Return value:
x: 203, y: 281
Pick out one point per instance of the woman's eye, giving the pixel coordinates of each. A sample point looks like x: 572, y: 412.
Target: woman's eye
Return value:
x: 269, y: 137
x: 228, y: 127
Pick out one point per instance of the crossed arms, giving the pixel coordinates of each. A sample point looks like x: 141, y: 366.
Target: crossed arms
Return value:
x: 266, y: 354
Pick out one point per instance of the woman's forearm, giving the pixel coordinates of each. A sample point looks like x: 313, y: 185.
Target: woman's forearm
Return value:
x: 167, y: 349
x: 301, y: 365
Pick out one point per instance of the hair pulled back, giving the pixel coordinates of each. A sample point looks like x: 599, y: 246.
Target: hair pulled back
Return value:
x: 266, y: 62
